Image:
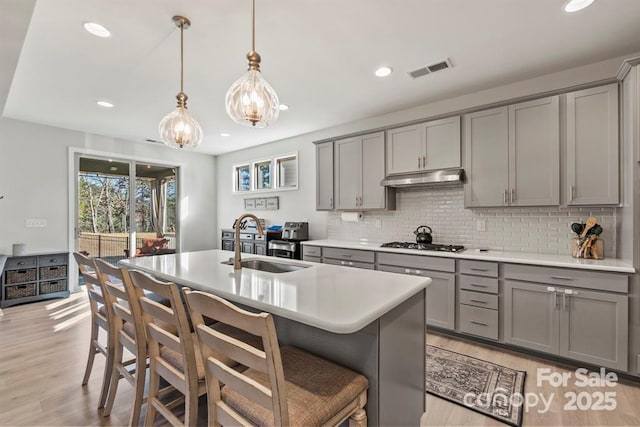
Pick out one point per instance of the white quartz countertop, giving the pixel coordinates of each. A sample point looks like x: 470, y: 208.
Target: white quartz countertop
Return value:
x: 567, y: 261
x: 337, y: 299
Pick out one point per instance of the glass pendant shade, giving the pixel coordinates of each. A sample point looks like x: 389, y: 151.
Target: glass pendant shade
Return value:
x: 251, y: 101
x: 180, y: 130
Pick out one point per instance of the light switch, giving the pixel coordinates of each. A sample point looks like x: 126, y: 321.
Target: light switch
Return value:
x: 481, y: 225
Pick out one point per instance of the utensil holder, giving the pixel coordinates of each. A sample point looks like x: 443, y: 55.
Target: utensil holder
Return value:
x: 586, y: 249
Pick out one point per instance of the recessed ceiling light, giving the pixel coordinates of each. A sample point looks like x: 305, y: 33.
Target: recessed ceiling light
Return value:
x: 225, y: 134
x: 576, y: 5
x: 113, y: 168
x: 283, y: 107
x: 384, y: 71
x: 96, y: 29
x: 104, y: 104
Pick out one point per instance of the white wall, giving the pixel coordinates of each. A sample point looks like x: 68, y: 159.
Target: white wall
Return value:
x: 34, y: 180
x: 300, y: 205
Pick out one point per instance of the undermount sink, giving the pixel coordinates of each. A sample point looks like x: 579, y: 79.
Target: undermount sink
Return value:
x: 268, y: 266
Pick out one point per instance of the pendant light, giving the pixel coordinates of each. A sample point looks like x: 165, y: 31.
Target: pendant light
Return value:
x: 179, y: 129
x: 251, y: 101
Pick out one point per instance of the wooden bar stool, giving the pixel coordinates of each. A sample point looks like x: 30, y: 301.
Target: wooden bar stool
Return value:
x: 128, y: 329
x: 171, y: 350
x: 100, y: 315
x: 282, y: 386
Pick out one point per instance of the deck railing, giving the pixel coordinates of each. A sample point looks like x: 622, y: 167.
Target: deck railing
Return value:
x: 104, y: 245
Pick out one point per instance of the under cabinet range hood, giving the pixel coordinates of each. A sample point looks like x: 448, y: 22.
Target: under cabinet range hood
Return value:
x: 422, y: 179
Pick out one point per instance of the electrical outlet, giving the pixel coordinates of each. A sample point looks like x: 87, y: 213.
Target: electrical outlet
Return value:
x: 36, y: 223
x: 481, y: 225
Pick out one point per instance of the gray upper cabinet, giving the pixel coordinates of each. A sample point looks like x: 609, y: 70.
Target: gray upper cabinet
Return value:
x: 324, y: 176
x: 359, y: 168
x: 592, y: 146
x: 427, y: 146
x: 486, y: 142
x: 513, y: 155
x: 534, y: 153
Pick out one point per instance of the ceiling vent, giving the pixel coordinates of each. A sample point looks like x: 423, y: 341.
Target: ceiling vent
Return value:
x: 432, y: 68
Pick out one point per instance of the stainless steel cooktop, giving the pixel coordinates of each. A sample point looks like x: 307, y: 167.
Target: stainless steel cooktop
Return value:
x: 424, y: 246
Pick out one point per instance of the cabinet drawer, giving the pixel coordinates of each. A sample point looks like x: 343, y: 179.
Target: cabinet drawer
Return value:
x: 355, y: 264
x: 349, y: 254
x: 312, y: 251
x: 246, y: 236
x: 418, y: 262
x: 20, y: 291
x: 479, y: 268
x: 479, y: 321
x: 479, y: 284
x: 22, y: 262
x: 312, y: 258
x: 53, y: 286
x: 478, y: 299
x: 227, y: 235
x: 259, y: 237
x: 55, y: 259
x: 588, y: 279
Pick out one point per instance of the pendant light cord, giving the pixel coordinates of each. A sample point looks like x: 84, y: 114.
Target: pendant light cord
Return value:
x: 181, y: 57
x: 253, y: 25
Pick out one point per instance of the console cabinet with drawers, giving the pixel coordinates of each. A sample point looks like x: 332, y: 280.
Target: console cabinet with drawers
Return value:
x: 35, y: 277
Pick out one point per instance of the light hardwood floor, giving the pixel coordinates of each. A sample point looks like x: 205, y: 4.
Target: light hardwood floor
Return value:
x: 43, y: 350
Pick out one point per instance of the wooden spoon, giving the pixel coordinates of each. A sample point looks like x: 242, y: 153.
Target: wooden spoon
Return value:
x: 591, y: 221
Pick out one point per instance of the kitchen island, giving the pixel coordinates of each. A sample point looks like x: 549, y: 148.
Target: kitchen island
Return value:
x: 370, y: 321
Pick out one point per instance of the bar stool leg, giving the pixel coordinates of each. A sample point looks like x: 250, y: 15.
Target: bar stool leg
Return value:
x: 92, y: 353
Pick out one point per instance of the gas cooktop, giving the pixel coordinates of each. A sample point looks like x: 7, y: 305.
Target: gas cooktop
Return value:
x: 424, y: 246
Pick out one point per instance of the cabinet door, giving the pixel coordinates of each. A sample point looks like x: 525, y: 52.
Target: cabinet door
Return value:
x: 531, y: 316
x: 372, y: 193
x: 441, y: 300
x: 246, y: 247
x: 227, y: 245
x: 441, y: 144
x: 404, y: 149
x: 592, y: 146
x: 534, y: 153
x: 486, y: 144
x: 348, y: 160
x: 324, y: 176
x: 260, y: 249
x: 594, y: 328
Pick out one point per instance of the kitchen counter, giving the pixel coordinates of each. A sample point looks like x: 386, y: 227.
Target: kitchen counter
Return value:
x: 336, y: 299
x: 567, y: 261
x: 370, y: 321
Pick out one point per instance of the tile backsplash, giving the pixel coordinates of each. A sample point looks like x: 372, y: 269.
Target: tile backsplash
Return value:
x: 528, y: 229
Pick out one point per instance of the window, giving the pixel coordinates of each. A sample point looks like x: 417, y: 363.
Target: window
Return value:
x: 277, y: 173
x: 242, y: 178
x: 263, y: 175
x: 287, y: 168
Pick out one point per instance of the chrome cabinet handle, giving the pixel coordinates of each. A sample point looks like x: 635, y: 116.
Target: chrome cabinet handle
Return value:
x: 346, y: 255
x: 571, y: 193
x: 424, y: 161
x: 506, y: 197
x: 418, y: 162
x: 475, y: 322
x: 513, y: 195
x: 478, y: 269
x: 555, y: 295
x: 477, y: 286
x: 478, y: 301
x: 562, y: 278
x: 330, y: 202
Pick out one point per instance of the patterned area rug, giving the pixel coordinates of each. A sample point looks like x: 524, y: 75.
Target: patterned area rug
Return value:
x: 492, y: 390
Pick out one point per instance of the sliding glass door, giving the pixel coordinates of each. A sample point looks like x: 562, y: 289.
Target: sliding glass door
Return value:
x: 125, y: 208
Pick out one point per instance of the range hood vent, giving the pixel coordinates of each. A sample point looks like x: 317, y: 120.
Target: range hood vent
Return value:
x: 423, y: 179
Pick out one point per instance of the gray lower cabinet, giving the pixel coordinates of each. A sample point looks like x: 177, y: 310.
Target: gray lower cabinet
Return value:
x: 441, y: 293
x: 246, y: 247
x: 34, y: 277
x: 589, y: 326
x: 531, y: 316
x: 228, y: 245
x: 260, y: 249
x: 349, y: 258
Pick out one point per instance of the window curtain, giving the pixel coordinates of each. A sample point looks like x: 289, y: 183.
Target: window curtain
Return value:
x: 158, y: 201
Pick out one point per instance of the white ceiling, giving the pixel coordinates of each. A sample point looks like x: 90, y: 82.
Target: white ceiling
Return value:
x: 319, y: 55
